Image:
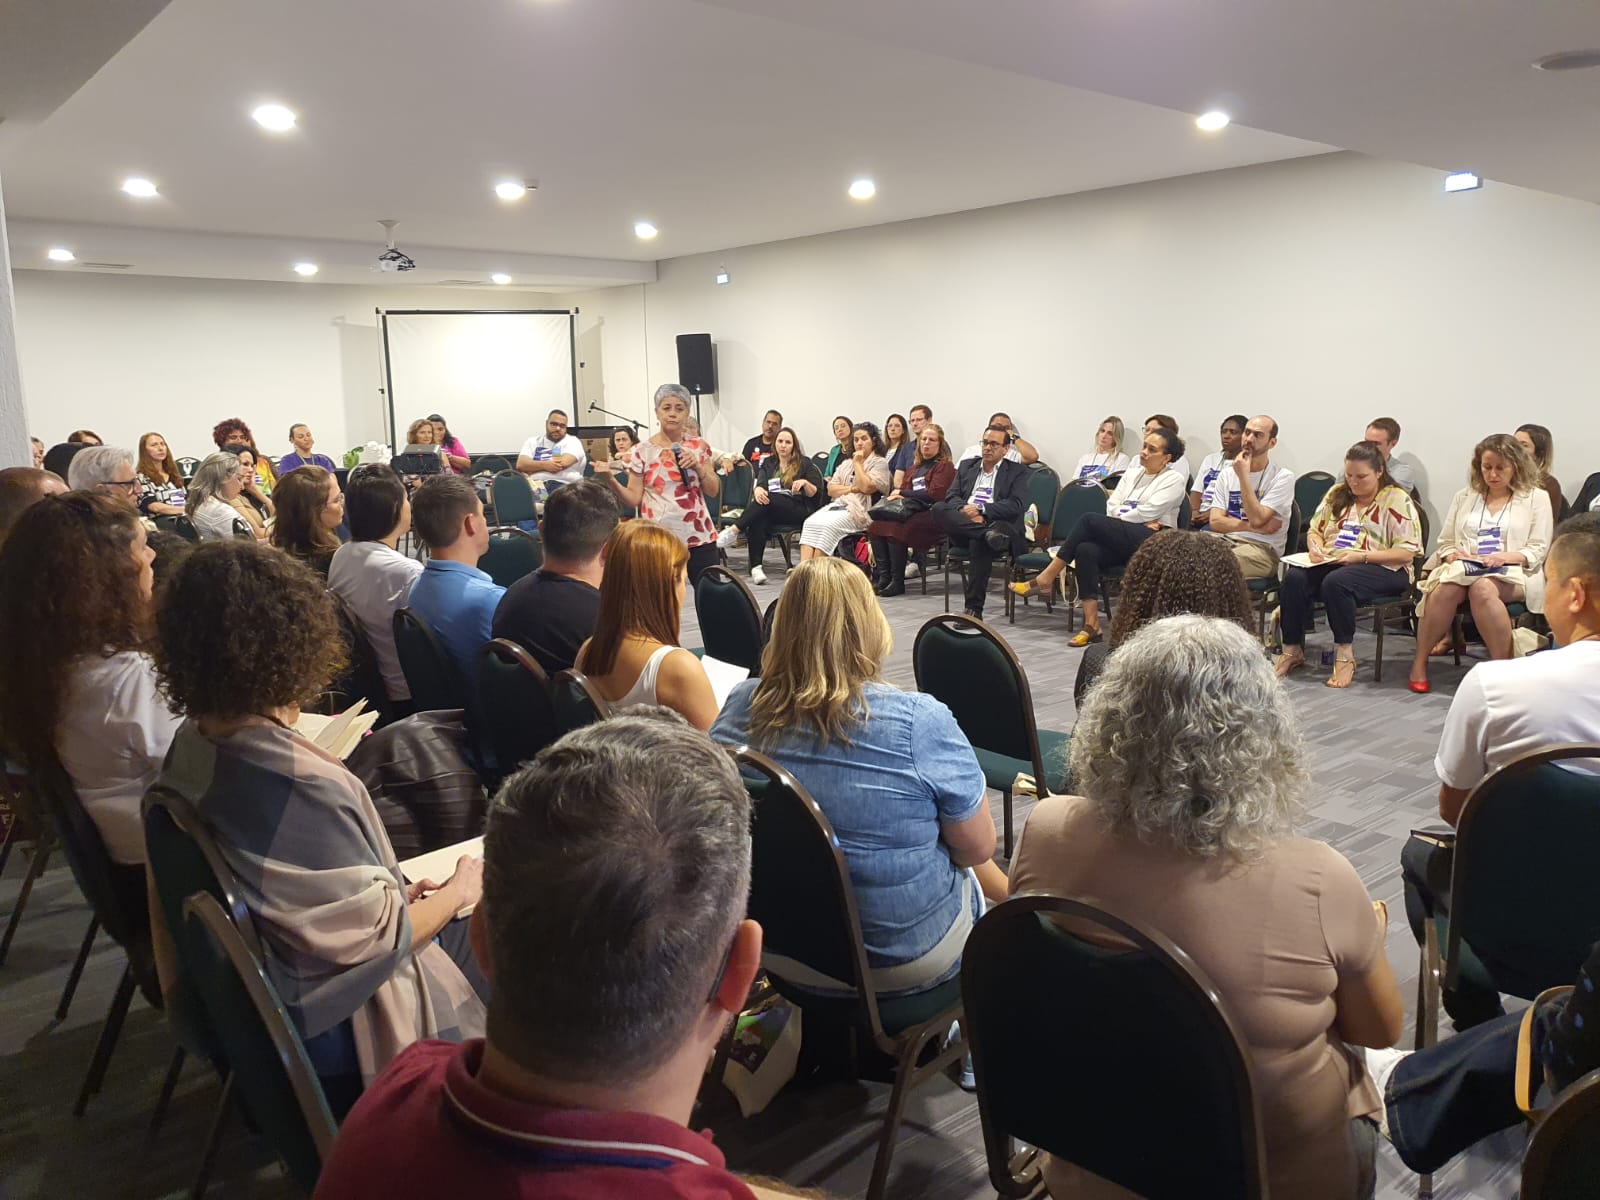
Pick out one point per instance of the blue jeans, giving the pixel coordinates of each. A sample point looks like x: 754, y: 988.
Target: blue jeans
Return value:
x: 1445, y: 1098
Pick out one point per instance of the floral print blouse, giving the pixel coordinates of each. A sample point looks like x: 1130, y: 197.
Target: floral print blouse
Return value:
x: 670, y: 499
x: 1388, y: 522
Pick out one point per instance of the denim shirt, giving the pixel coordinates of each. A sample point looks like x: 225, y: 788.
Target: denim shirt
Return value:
x: 906, y: 768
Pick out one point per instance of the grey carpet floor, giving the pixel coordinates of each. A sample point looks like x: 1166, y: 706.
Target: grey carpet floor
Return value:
x: 1374, y: 749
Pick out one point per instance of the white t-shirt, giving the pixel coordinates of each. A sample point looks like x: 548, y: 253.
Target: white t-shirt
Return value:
x: 1210, y: 467
x: 1273, y: 486
x: 1511, y: 707
x: 375, y: 581
x: 1142, y: 498
x: 112, y: 737
x: 1093, y: 468
x: 541, y: 448
x: 1181, y: 466
x: 976, y: 451
x: 214, y: 519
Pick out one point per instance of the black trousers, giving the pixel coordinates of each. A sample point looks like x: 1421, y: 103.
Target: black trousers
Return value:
x: 968, y: 536
x: 758, y: 519
x: 1100, y: 541
x: 1342, y: 590
x: 701, y: 557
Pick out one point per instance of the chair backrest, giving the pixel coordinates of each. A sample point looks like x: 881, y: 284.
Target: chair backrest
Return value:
x: 1185, y: 512
x: 184, y: 859
x: 431, y: 674
x: 970, y: 669
x: 270, y: 1068
x: 188, y: 466
x: 730, y: 618
x: 185, y: 529
x: 512, y: 553
x: 1114, y: 1054
x: 1309, y: 489
x: 242, y: 531
x: 766, y: 621
x: 576, y: 702
x: 800, y: 890
x: 821, y: 459
x: 1292, y: 535
x: 55, y: 796
x: 362, y: 679
x: 513, y: 498
x: 492, y: 463
x: 1521, y: 895
x: 1075, y: 502
x: 738, y: 485
x: 1044, y: 486
x: 514, y: 709
x: 1563, y: 1157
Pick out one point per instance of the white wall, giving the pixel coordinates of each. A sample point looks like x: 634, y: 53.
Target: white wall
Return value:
x: 1324, y: 291
x: 124, y: 355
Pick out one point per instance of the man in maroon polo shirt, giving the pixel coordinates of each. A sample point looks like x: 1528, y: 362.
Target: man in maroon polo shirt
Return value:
x: 616, y: 869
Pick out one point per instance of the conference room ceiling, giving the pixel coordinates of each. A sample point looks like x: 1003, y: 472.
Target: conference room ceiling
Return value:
x: 721, y: 128
x: 732, y: 122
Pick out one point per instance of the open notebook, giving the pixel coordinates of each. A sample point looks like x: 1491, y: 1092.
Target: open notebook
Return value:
x: 439, y: 865
x: 337, y: 735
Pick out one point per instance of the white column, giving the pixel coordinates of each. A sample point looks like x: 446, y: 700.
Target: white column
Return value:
x: 15, y: 449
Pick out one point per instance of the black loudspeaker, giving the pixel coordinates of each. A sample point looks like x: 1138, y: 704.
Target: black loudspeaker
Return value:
x: 697, y: 370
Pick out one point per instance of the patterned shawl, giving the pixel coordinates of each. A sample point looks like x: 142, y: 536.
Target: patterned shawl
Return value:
x: 320, y: 878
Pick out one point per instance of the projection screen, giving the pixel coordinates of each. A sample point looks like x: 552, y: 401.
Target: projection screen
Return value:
x: 493, y: 375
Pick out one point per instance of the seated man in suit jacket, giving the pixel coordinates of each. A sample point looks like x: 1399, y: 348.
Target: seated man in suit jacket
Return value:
x: 983, y: 510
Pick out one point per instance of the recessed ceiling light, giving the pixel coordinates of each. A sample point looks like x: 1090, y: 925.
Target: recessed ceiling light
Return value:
x: 137, y: 185
x: 645, y: 230
x: 305, y: 268
x: 1461, y: 181
x: 61, y: 254
x: 500, y: 277
x: 1212, y: 121
x: 511, y: 189
x: 863, y: 189
x: 275, y: 117
x: 1569, y: 60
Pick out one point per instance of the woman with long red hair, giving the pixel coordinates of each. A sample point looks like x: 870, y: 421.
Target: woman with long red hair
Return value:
x: 634, y: 656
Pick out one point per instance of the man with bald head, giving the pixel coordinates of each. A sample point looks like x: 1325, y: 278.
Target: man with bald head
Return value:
x: 20, y: 489
x: 1250, y: 500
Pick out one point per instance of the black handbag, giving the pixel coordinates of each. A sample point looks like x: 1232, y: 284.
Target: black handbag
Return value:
x: 892, y: 510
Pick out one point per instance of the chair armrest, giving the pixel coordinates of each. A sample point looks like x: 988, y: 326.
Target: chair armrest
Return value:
x: 1438, y: 836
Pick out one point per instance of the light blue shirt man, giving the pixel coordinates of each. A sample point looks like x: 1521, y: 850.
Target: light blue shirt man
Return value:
x: 457, y: 602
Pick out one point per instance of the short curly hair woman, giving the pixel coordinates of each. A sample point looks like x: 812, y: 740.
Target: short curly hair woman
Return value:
x: 1173, y: 572
x: 1190, y: 769
x: 245, y: 636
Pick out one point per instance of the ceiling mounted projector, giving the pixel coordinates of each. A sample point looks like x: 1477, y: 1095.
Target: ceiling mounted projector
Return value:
x: 392, y: 259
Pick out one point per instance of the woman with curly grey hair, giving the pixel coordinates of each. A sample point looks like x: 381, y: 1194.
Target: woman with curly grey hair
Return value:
x: 1190, y: 770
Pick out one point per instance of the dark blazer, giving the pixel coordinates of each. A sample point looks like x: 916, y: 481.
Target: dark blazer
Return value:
x: 808, y: 471
x: 1010, y: 492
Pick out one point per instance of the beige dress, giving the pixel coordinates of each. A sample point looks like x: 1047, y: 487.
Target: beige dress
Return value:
x: 1277, y: 937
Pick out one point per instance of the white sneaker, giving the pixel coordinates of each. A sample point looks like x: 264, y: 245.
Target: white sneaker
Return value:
x: 757, y: 575
x: 729, y: 535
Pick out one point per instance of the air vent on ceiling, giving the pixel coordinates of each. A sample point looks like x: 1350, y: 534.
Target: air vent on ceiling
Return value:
x: 98, y: 266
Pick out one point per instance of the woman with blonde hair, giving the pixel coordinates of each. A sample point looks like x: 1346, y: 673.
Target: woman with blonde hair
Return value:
x: 1107, y: 459
x: 891, y: 769
x: 161, y: 488
x: 1190, y: 771
x: 1490, y: 551
x: 634, y: 656
x: 213, y: 495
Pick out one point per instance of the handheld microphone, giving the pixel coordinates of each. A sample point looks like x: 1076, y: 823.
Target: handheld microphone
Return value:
x: 677, y: 456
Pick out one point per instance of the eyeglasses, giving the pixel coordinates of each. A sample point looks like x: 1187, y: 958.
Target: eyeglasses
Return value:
x: 993, y: 445
x: 131, y: 485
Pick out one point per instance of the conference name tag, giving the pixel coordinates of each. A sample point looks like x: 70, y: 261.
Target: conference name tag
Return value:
x: 542, y: 454
x: 1092, y: 471
x: 982, y: 495
x: 777, y: 488
x: 919, y: 484
x: 1349, y: 534
x: 1236, y: 505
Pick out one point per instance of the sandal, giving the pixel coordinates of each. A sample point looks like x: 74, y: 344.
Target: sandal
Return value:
x: 1287, y: 663
x: 1344, y: 673
x: 1028, y: 587
x: 1084, y: 637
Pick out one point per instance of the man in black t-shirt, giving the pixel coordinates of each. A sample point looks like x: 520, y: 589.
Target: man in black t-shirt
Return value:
x: 551, y: 612
x: 760, y: 446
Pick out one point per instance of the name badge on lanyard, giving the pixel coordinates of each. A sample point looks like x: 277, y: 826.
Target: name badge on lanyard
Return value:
x: 1349, y: 534
x: 1489, y: 541
x: 1092, y: 471
x: 982, y: 495
x: 919, y: 484
x: 776, y: 487
x: 542, y: 454
x: 1236, y: 504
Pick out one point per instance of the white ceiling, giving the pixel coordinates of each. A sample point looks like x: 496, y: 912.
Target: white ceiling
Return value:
x: 722, y: 128
x: 726, y: 122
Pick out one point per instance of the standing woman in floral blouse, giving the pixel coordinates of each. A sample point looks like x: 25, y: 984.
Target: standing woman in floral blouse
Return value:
x: 670, y: 474
x: 1362, y: 541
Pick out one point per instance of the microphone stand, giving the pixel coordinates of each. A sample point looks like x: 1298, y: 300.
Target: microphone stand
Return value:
x: 593, y: 407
